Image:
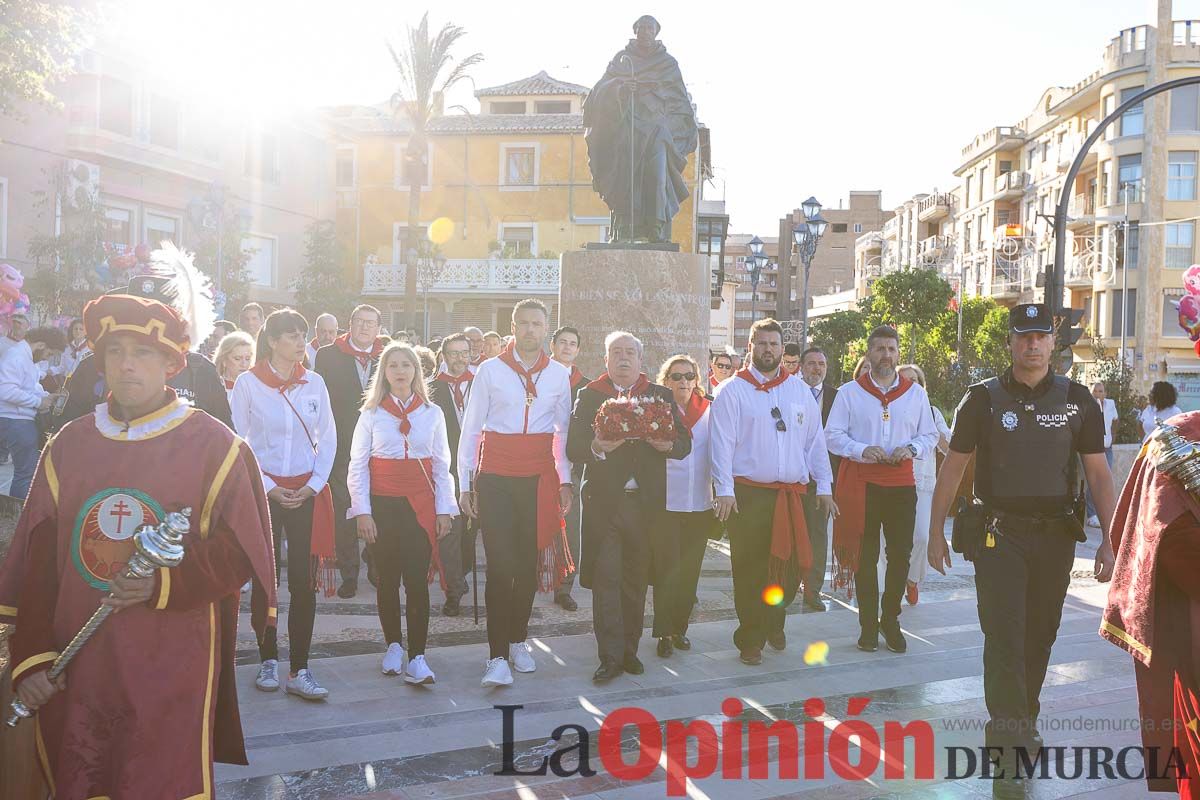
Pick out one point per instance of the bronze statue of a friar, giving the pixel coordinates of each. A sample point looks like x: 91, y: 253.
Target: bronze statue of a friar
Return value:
x: 641, y: 126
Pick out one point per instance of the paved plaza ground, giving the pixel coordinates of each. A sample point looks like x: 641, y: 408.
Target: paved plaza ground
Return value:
x: 379, y: 738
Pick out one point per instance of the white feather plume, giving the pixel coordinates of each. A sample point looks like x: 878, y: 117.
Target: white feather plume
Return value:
x: 190, y: 290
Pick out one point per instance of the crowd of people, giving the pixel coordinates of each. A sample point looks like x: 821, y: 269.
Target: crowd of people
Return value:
x: 328, y: 449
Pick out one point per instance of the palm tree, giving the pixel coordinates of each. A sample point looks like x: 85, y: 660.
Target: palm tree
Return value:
x: 427, y: 70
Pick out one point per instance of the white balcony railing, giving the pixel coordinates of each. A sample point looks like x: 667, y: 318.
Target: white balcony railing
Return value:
x: 931, y: 249
x: 500, y: 276
x: 934, y: 206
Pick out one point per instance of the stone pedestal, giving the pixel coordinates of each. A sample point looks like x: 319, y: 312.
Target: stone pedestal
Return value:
x: 660, y: 297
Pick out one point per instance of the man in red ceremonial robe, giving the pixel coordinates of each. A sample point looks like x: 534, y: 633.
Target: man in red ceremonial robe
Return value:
x: 1153, y: 612
x: 149, y: 701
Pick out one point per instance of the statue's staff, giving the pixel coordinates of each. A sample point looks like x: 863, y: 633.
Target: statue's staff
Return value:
x: 632, y: 141
x: 156, y: 546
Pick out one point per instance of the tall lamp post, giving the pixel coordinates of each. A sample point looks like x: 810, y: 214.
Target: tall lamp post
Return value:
x: 429, y: 269
x: 807, y: 235
x: 756, y: 261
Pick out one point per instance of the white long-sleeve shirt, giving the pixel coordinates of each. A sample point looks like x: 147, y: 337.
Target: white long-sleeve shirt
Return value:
x: 21, y: 392
x: 689, y: 479
x: 262, y: 417
x: 747, y: 444
x: 856, y: 422
x: 377, y: 434
x: 498, y: 404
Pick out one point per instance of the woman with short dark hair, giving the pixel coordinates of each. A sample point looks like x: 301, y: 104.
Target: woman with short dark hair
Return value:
x: 1162, y: 406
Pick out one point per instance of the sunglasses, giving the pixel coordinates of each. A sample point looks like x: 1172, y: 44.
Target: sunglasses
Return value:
x: 777, y: 415
x: 682, y: 376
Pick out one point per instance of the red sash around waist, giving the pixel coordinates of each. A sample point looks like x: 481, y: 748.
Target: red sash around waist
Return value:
x: 851, y: 494
x: 321, y: 547
x: 412, y: 479
x: 522, y: 455
x: 791, y: 551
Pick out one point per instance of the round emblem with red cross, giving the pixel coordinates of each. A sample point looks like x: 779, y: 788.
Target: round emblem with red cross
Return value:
x: 102, y: 540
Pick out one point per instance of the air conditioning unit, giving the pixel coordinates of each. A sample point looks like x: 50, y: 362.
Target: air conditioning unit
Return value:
x: 83, y: 183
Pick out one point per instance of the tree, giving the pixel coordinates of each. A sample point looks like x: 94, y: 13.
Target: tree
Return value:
x: 233, y: 257
x: 39, y: 41
x: 321, y: 286
x: 914, y: 300
x: 841, y: 335
x: 71, y: 265
x: 1118, y: 386
x: 427, y: 70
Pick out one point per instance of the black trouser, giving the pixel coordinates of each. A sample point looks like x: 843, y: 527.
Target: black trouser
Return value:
x: 345, y: 535
x: 401, y: 555
x: 817, y: 522
x: 678, y: 541
x: 750, y: 554
x: 508, y: 517
x: 573, y: 529
x: 296, y: 525
x: 622, y: 570
x: 456, y: 550
x: 1021, y: 585
x: 895, y: 509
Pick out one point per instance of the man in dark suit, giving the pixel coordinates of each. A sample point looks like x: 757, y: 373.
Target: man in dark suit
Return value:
x: 624, y: 486
x: 564, y: 348
x: 347, y: 366
x: 449, y: 392
x: 813, y: 367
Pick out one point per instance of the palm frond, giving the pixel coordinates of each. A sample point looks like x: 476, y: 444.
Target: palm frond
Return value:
x: 421, y: 63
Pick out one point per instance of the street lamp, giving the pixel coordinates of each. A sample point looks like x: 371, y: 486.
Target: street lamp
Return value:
x: 806, y: 236
x: 429, y: 269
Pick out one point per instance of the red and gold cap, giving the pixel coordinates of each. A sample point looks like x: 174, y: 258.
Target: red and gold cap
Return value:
x: 151, y: 321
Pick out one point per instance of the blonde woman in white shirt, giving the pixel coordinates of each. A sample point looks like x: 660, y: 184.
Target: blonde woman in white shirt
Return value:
x: 402, y: 497
x: 235, y: 355
x: 282, y: 411
x: 681, y: 535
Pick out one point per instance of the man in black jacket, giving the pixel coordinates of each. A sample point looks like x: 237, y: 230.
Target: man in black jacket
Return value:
x: 813, y: 368
x: 564, y: 348
x: 449, y: 392
x: 347, y: 366
x: 624, y: 486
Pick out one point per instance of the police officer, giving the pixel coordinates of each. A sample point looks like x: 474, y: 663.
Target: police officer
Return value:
x: 1030, y: 428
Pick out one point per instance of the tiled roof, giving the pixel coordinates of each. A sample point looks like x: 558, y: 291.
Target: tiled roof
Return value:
x: 507, y: 123
x: 541, y: 84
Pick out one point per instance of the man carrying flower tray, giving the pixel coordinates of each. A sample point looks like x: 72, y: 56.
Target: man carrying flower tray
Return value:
x: 623, y: 430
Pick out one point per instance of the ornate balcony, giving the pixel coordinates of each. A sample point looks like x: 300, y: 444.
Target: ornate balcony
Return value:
x: 473, y: 276
x: 1011, y: 184
x: 1081, y: 213
x: 933, y: 249
x: 934, y: 207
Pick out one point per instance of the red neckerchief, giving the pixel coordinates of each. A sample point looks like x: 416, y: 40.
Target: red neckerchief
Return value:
x: 343, y: 344
x: 869, y: 386
x: 313, y: 343
x: 748, y: 376
x: 262, y: 370
x: 456, y: 384
x: 605, y: 386
x: 400, y: 412
x: 576, y: 377
x: 76, y: 349
x: 509, y: 356
x: 695, y: 409
x: 228, y: 384
x: 713, y: 382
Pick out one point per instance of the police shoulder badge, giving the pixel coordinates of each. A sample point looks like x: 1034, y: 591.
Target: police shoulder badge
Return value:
x: 1009, y: 420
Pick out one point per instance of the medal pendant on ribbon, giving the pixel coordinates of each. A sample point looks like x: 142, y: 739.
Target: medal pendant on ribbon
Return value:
x: 887, y: 415
x: 529, y: 400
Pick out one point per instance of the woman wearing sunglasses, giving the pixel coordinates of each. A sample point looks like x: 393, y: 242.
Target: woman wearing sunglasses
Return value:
x: 681, y: 535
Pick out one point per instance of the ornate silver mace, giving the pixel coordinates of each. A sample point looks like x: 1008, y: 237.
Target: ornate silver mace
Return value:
x: 1177, y: 457
x: 156, y: 546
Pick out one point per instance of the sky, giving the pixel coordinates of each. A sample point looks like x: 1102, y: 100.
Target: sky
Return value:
x: 801, y: 98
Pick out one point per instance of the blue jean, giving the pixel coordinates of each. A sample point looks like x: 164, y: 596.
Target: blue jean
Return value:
x: 21, y: 438
x: 1091, y: 507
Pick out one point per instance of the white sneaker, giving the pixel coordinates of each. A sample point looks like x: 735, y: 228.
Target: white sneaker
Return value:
x: 418, y: 671
x: 305, y: 685
x: 521, y: 655
x: 268, y: 676
x: 393, y: 660
x: 497, y: 673
x: 1093, y: 521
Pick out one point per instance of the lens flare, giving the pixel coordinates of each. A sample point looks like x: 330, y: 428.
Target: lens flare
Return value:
x: 440, y: 230
x: 773, y: 595
x: 816, y: 653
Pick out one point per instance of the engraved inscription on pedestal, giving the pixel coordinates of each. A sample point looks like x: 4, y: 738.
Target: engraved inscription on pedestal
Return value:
x: 660, y: 297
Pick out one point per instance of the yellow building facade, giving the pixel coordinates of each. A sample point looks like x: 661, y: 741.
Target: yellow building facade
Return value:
x: 509, y: 184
